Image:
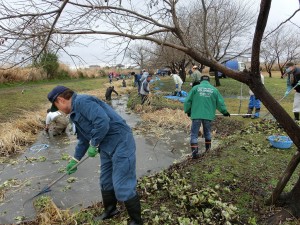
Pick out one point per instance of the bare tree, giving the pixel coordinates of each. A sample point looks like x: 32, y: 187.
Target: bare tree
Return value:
x: 269, y: 58
x: 152, y: 20
x: 286, y: 47
x: 280, y: 47
x: 224, y: 28
x: 139, y: 54
x: 172, y: 58
x: 25, y: 40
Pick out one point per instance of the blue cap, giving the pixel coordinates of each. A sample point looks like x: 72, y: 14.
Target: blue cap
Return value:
x: 52, y: 95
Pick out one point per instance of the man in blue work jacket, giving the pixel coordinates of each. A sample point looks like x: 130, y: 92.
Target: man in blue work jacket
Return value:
x: 100, y: 128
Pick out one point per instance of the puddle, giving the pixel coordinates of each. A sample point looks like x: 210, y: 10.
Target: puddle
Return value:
x: 32, y: 176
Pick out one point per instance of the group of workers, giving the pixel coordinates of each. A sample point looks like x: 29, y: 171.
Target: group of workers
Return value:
x: 101, y: 130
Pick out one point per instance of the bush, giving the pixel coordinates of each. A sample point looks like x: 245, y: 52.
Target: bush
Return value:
x: 102, y: 73
x: 80, y: 74
x: 63, y: 74
x: 49, y: 62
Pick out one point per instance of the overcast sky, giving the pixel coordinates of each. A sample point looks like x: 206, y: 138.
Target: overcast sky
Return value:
x: 100, y: 54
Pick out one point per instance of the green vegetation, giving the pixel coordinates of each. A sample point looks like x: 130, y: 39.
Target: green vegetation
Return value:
x: 228, y: 185
x: 49, y: 62
x: 17, y: 98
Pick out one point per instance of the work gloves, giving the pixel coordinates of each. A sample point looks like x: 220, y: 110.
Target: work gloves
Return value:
x: 70, y: 165
x: 226, y: 114
x: 92, y: 151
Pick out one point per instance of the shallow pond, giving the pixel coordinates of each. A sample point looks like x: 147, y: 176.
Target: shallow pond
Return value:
x: 37, y: 167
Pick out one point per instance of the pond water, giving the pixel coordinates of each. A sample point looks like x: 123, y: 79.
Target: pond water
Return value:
x: 34, y: 170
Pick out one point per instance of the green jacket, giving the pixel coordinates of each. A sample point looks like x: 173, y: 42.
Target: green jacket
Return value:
x: 203, y: 100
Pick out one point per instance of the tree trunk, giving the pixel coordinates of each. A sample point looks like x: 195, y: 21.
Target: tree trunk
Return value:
x: 270, y: 74
x: 293, y: 198
x: 182, y: 73
x: 290, y: 201
x: 217, y: 79
x: 285, y: 178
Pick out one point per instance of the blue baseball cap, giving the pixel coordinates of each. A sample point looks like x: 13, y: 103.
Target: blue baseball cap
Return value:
x: 52, y: 95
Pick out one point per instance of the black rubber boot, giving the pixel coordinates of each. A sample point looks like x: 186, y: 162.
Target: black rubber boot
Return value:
x: 207, y: 144
x: 133, y: 207
x: 249, y: 112
x: 110, y: 205
x: 296, y: 115
x: 175, y: 93
x: 195, y: 150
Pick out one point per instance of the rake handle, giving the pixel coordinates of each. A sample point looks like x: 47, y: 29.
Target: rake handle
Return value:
x: 66, y: 173
x: 236, y: 114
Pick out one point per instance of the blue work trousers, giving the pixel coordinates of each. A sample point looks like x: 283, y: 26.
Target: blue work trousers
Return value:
x: 253, y: 102
x: 196, y: 124
x: 118, y: 171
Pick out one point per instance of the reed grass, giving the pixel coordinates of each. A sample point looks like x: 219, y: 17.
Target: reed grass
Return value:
x: 16, y: 135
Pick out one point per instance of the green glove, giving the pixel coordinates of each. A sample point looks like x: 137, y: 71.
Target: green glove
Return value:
x: 72, y: 163
x: 92, y: 151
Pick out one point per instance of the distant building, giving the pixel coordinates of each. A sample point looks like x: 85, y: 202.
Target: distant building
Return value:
x: 94, y: 67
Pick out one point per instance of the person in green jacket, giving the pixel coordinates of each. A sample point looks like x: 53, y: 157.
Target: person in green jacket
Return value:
x: 201, y: 104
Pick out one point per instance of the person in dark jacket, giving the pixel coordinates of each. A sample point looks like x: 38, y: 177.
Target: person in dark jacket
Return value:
x: 201, y: 104
x: 294, y: 79
x: 137, y: 82
x: 109, y: 91
x: 101, y: 130
x: 124, y: 83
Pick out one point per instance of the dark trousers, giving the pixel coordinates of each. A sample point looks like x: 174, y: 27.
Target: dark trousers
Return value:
x: 144, y: 98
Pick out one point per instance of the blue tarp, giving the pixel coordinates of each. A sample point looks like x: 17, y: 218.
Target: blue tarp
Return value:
x: 184, y: 93
x: 182, y: 99
x: 176, y: 98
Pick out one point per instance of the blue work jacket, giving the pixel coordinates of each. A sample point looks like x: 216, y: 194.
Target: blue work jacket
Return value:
x: 96, y: 124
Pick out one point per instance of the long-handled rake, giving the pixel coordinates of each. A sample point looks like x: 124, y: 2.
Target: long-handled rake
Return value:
x: 282, y: 98
x: 47, y: 187
x: 236, y: 114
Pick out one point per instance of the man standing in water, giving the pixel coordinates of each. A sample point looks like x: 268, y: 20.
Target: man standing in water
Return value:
x: 109, y: 91
x: 100, y: 129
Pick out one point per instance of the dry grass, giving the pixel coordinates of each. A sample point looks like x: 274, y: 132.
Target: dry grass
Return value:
x: 168, y: 119
x: 17, y: 134
x: 49, y: 213
x: 100, y: 93
x: 22, y: 74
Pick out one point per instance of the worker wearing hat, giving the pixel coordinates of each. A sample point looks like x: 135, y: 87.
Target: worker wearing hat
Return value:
x: 196, y: 76
x: 293, y: 74
x: 178, y: 82
x: 100, y: 128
